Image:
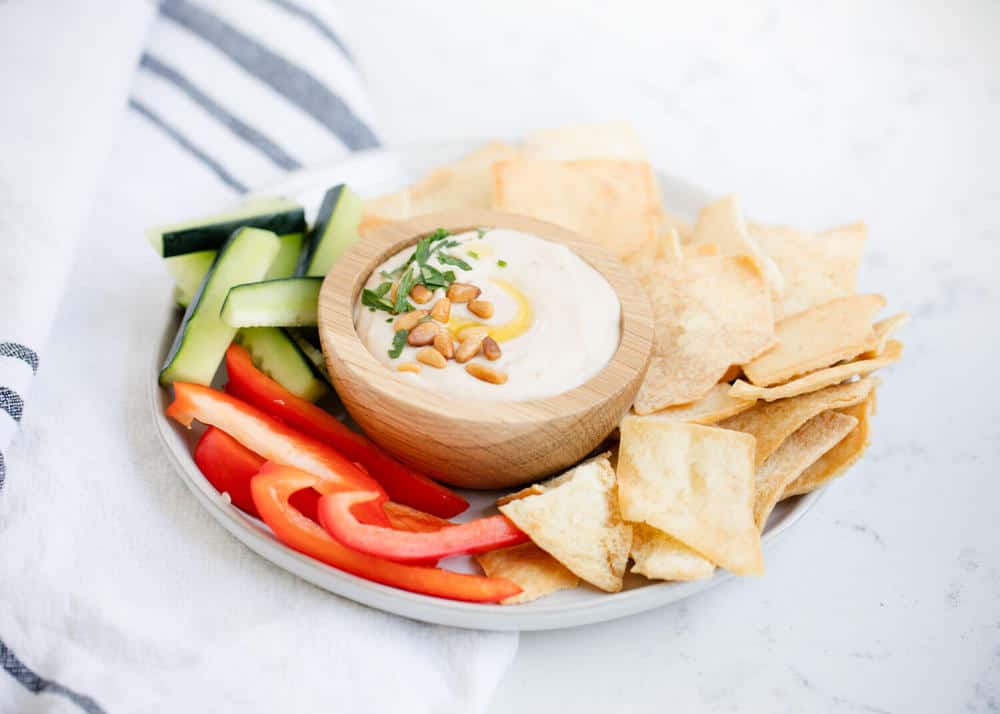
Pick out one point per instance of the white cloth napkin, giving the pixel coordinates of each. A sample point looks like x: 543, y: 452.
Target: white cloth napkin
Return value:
x: 118, y: 593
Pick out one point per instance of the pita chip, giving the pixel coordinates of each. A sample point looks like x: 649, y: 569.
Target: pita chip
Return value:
x: 821, y: 378
x: 660, y: 557
x: 709, y: 314
x: 773, y: 422
x: 715, y: 406
x: 614, y: 203
x: 466, y: 183
x: 694, y: 483
x: 808, y: 443
x: 575, y: 519
x: 842, y: 456
x: 530, y: 567
x: 818, y: 337
x: 817, y: 267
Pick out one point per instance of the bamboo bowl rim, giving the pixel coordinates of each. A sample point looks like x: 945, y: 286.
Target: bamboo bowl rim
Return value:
x: 348, y: 358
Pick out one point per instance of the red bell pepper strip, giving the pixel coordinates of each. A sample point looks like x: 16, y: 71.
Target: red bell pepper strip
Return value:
x: 275, y: 441
x: 272, y: 487
x: 229, y: 466
x: 401, y: 546
x: 404, y: 518
x: 402, y: 483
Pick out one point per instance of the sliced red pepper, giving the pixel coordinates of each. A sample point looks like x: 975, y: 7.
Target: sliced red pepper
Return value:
x: 402, y: 546
x: 229, y: 466
x: 405, y: 518
x: 275, y: 441
x: 272, y: 487
x: 402, y: 483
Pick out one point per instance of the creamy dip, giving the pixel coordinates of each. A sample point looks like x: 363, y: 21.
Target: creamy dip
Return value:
x: 555, y: 318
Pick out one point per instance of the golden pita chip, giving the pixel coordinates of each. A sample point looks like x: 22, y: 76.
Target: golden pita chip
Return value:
x: 390, y: 207
x: 591, y: 140
x: 576, y: 520
x: 694, y: 483
x: 530, y: 567
x: 466, y: 183
x: 884, y: 329
x: 796, y: 453
x: 614, y: 203
x: 721, y: 223
x: 818, y: 337
x: 817, y: 267
x: 700, y: 250
x: 713, y: 407
x: 709, y: 313
x: 771, y: 423
x: 660, y: 557
x: 820, y: 379
x: 841, y: 457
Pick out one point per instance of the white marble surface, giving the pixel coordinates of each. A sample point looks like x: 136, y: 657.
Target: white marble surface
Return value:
x: 887, y: 596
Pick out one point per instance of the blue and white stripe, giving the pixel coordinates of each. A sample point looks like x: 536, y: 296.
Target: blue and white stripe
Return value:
x: 247, y: 91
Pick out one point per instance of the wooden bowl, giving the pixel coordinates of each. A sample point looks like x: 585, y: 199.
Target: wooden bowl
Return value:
x: 467, y: 443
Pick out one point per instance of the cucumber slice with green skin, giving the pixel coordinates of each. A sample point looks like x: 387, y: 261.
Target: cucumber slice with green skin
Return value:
x: 288, y: 257
x: 278, y: 215
x: 285, y: 302
x: 203, y: 336
x: 188, y: 271
x: 335, y: 231
x: 276, y: 354
x: 309, y: 349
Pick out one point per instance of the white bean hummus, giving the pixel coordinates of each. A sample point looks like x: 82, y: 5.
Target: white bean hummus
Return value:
x: 536, y: 319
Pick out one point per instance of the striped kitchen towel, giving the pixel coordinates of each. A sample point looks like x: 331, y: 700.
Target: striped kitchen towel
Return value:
x: 118, y: 593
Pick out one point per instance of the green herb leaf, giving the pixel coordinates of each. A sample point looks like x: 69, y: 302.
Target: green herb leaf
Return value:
x: 398, y: 342
x: 406, y: 283
x: 383, y: 289
x: 388, y: 319
x: 447, y: 259
x: 481, y: 232
x: 373, y: 301
x: 502, y: 263
x: 449, y: 275
x: 473, y: 254
x: 434, y: 278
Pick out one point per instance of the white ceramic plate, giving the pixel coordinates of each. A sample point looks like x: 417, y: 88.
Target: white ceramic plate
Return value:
x: 372, y: 173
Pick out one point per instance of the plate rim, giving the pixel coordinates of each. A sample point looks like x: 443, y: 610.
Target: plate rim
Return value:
x: 533, y: 616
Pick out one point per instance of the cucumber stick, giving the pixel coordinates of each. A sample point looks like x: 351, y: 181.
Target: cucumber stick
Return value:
x: 203, y: 336
x: 278, y: 215
x: 274, y: 353
x: 335, y: 231
x: 189, y: 269
x: 285, y: 302
x: 309, y: 348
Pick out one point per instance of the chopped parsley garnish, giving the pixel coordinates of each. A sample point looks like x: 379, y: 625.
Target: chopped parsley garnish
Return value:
x: 373, y: 301
x: 448, y: 259
x: 398, y: 342
x: 473, y: 254
x: 417, y: 270
x: 481, y: 232
x: 502, y: 263
x: 388, y: 319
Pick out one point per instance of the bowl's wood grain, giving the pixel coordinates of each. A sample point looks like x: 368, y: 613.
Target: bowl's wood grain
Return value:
x: 468, y: 443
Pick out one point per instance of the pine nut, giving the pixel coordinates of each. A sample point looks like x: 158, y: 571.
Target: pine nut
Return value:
x: 421, y: 294
x: 469, y: 348
x: 442, y: 310
x: 444, y: 345
x: 408, y: 367
x: 430, y: 356
x: 423, y: 334
x: 486, y: 374
x: 481, y: 308
x: 462, y: 292
x: 491, y: 350
x: 409, y: 320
